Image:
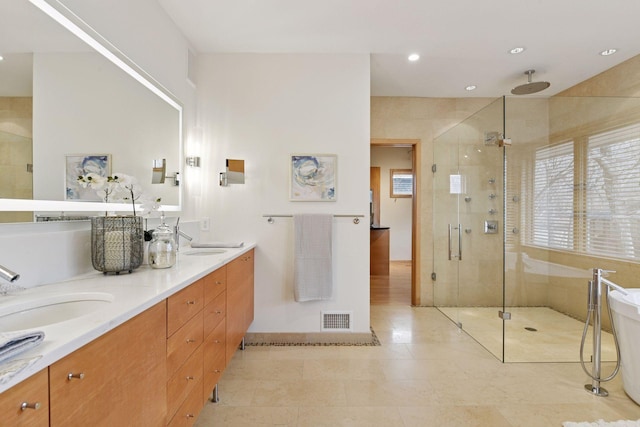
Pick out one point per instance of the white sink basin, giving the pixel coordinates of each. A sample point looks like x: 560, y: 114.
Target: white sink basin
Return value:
x: 208, y: 251
x: 34, y: 311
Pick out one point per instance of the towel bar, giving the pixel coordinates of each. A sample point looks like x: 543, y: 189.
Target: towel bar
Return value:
x: 356, y: 218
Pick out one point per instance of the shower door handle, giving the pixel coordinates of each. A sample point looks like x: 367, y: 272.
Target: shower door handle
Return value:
x: 449, y: 242
x: 459, y: 228
x: 459, y: 242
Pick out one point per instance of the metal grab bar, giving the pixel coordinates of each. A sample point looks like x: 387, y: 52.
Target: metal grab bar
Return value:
x: 356, y: 218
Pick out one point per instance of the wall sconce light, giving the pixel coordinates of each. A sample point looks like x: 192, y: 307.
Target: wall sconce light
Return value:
x: 234, y: 173
x: 193, y: 161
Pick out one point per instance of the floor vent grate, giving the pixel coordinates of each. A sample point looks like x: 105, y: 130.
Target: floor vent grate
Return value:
x: 336, y: 320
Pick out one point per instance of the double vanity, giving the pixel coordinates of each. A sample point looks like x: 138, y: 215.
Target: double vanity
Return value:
x: 146, y: 348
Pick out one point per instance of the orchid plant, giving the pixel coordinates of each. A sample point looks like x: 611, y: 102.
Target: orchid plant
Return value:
x: 119, y: 187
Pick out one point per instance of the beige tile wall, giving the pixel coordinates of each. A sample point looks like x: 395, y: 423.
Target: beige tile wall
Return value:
x: 15, y: 152
x: 423, y: 119
x: 530, y: 123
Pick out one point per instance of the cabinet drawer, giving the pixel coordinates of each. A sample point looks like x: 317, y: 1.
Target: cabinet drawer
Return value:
x: 187, y: 413
x: 215, y: 283
x: 183, y: 343
x: 214, y: 358
x: 183, y: 305
x: 186, y: 379
x: 32, y: 391
x: 113, y: 380
x: 214, y: 313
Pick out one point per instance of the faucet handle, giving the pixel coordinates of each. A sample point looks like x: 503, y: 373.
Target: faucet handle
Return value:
x: 603, y: 273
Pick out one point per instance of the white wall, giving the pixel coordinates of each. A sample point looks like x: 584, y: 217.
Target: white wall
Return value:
x: 395, y: 213
x: 262, y: 108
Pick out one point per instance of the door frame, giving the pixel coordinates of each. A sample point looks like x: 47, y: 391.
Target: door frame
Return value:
x: 416, y: 146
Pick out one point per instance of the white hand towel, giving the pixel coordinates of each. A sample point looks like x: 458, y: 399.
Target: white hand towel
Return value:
x: 14, y: 343
x: 313, y: 264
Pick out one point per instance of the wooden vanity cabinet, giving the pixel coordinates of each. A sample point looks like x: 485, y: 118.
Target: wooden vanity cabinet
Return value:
x: 184, y: 352
x: 215, y: 313
x: 156, y: 369
x: 114, y: 380
x: 33, y: 395
x: 240, y: 306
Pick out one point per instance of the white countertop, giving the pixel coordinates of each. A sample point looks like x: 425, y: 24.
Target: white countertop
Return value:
x: 132, y: 294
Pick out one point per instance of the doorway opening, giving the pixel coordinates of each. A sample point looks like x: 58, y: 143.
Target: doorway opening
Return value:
x: 401, y: 285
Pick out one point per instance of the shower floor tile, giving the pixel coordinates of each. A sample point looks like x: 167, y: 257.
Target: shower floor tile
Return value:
x: 534, y: 334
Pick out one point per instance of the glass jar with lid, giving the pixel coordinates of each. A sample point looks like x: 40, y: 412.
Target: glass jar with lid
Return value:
x: 162, y: 249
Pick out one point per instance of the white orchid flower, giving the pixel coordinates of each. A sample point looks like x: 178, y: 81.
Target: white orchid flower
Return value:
x: 150, y: 206
x: 92, y: 180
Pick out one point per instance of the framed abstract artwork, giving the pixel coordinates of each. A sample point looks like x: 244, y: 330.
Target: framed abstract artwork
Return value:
x: 82, y: 164
x: 313, y: 177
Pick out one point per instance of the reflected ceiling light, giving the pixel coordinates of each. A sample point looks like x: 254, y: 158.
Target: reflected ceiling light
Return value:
x: 470, y: 87
x: 414, y: 57
x: 66, y: 22
x: 1, y: 57
x: 516, y: 50
x: 608, y: 52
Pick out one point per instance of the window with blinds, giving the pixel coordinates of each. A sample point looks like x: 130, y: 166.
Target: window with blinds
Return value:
x: 401, y: 182
x: 551, y: 221
x: 611, y: 225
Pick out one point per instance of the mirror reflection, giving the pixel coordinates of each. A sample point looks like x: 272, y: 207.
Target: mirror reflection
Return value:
x: 62, y: 103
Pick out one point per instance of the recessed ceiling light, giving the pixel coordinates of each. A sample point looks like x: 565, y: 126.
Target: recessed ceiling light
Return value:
x: 516, y: 50
x: 1, y: 57
x: 470, y: 87
x: 608, y: 52
x: 414, y: 57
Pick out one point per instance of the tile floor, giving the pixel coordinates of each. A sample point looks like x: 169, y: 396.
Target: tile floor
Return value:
x: 556, y: 337
x: 426, y: 373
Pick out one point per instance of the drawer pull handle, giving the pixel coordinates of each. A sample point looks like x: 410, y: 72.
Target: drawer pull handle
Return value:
x: 72, y: 376
x: 218, y: 282
x: 190, y: 416
x: 189, y: 378
x: 218, y: 312
x: 216, y: 341
x: 190, y: 340
x: 217, y: 371
x: 191, y: 302
x: 27, y: 405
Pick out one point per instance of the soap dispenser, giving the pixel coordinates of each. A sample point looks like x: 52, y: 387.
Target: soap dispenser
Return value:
x: 163, y: 248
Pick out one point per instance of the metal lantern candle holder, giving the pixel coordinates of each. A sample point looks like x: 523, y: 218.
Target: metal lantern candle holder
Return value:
x: 116, y: 243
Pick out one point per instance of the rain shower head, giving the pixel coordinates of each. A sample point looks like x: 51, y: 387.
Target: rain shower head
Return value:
x: 530, y: 87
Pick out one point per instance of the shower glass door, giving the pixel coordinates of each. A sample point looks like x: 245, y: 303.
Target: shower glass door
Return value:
x: 468, y: 189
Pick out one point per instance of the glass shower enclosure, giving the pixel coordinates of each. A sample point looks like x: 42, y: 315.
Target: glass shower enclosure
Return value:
x: 531, y: 194
x: 468, y: 216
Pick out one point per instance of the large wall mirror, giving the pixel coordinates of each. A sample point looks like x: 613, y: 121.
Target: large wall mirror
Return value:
x: 68, y: 104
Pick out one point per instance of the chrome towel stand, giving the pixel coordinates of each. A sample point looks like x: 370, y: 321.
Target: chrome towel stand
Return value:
x: 271, y: 220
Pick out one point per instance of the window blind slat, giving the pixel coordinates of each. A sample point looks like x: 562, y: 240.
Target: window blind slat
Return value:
x: 551, y: 223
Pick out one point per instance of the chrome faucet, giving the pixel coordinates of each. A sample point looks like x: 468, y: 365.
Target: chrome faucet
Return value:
x: 8, y: 275
x: 177, y: 233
